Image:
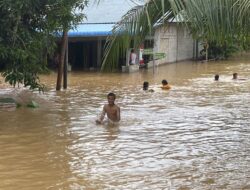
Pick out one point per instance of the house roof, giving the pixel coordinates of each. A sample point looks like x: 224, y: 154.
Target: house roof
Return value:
x: 102, y: 17
x: 88, y: 30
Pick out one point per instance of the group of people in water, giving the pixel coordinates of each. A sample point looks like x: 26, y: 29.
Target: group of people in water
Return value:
x: 113, y: 111
x: 164, y: 82
x: 235, y: 77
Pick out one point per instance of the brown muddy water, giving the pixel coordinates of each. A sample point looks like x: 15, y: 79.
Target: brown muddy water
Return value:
x: 194, y: 137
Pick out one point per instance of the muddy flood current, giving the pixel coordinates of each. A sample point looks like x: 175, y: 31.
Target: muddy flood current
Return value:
x: 195, y: 136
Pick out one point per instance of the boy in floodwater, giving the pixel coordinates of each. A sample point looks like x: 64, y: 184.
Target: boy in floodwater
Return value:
x: 216, y: 77
x: 111, y: 109
x: 165, y: 85
x: 235, y: 77
x: 146, y: 86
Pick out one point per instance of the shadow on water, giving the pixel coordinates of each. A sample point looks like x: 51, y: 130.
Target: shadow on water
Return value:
x: 195, y: 136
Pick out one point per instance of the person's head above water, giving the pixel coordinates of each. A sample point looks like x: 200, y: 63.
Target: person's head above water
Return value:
x: 145, y: 85
x: 216, y: 77
x: 164, y: 82
x: 111, y: 98
x: 235, y: 75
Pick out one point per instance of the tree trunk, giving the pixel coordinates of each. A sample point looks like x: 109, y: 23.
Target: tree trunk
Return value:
x: 206, y: 54
x: 207, y: 46
x: 65, y: 73
x: 61, y: 61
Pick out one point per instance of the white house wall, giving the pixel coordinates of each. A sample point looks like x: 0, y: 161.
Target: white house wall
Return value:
x: 185, y: 44
x: 175, y: 41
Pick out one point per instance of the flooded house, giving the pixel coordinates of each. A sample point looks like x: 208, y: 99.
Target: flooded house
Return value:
x: 86, y: 42
x: 176, y: 41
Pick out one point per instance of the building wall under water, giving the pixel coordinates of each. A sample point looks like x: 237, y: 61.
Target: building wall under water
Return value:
x: 176, y: 42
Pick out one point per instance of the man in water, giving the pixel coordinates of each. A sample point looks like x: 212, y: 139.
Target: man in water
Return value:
x: 111, y: 109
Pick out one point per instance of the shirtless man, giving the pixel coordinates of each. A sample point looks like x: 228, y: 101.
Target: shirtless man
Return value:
x: 112, y: 110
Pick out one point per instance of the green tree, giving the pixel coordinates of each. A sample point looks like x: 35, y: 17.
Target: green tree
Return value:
x: 29, y: 30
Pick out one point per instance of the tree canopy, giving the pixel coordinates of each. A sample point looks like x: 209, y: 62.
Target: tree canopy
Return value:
x: 28, y: 34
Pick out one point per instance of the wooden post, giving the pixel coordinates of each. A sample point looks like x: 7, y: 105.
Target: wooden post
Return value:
x: 207, y: 46
x: 153, y: 63
x: 65, y: 73
x: 61, y: 62
x: 99, y: 52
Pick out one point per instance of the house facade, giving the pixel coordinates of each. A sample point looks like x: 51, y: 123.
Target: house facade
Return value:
x: 176, y: 42
x: 86, y: 42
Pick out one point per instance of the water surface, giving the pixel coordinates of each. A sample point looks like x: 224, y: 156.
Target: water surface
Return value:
x: 195, y: 136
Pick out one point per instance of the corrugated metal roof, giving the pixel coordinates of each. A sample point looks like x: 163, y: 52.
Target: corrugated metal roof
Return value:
x: 85, y: 30
x: 102, y: 17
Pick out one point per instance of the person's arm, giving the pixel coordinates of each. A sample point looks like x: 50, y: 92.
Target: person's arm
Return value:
x: 99, y: 121
x: 118, y: 114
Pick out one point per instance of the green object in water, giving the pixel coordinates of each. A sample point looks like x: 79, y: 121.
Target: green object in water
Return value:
x: 32, y: 104
x: 7, y: 100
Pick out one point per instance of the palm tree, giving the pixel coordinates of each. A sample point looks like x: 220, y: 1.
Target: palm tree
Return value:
x: 220, y: 21
x: 215, y: 20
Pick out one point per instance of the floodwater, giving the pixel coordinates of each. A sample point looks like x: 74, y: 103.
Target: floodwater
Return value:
x: 194, y: 137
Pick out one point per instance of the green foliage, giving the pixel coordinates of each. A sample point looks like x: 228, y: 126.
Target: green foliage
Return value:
x: 215, y: 20
x: 220, y: 51
x: 28, y: 35
x: 246, y: 44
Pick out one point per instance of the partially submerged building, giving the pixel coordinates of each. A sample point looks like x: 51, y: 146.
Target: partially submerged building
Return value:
x: 86, y: 42
x: 176, y: 41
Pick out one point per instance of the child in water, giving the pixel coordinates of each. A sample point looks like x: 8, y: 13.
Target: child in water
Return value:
x: 146, y: 85
x: 111, y: 109
x: 216, y: 77
x: 165, y: 85
x: 235, y: 77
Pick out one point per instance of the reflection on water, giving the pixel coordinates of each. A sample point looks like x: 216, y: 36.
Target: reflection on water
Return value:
x: 195, y: 136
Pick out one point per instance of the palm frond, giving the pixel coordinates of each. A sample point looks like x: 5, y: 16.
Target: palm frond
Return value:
x: 220, y: 21
x: 215, y: 20
x: 131, y: 31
